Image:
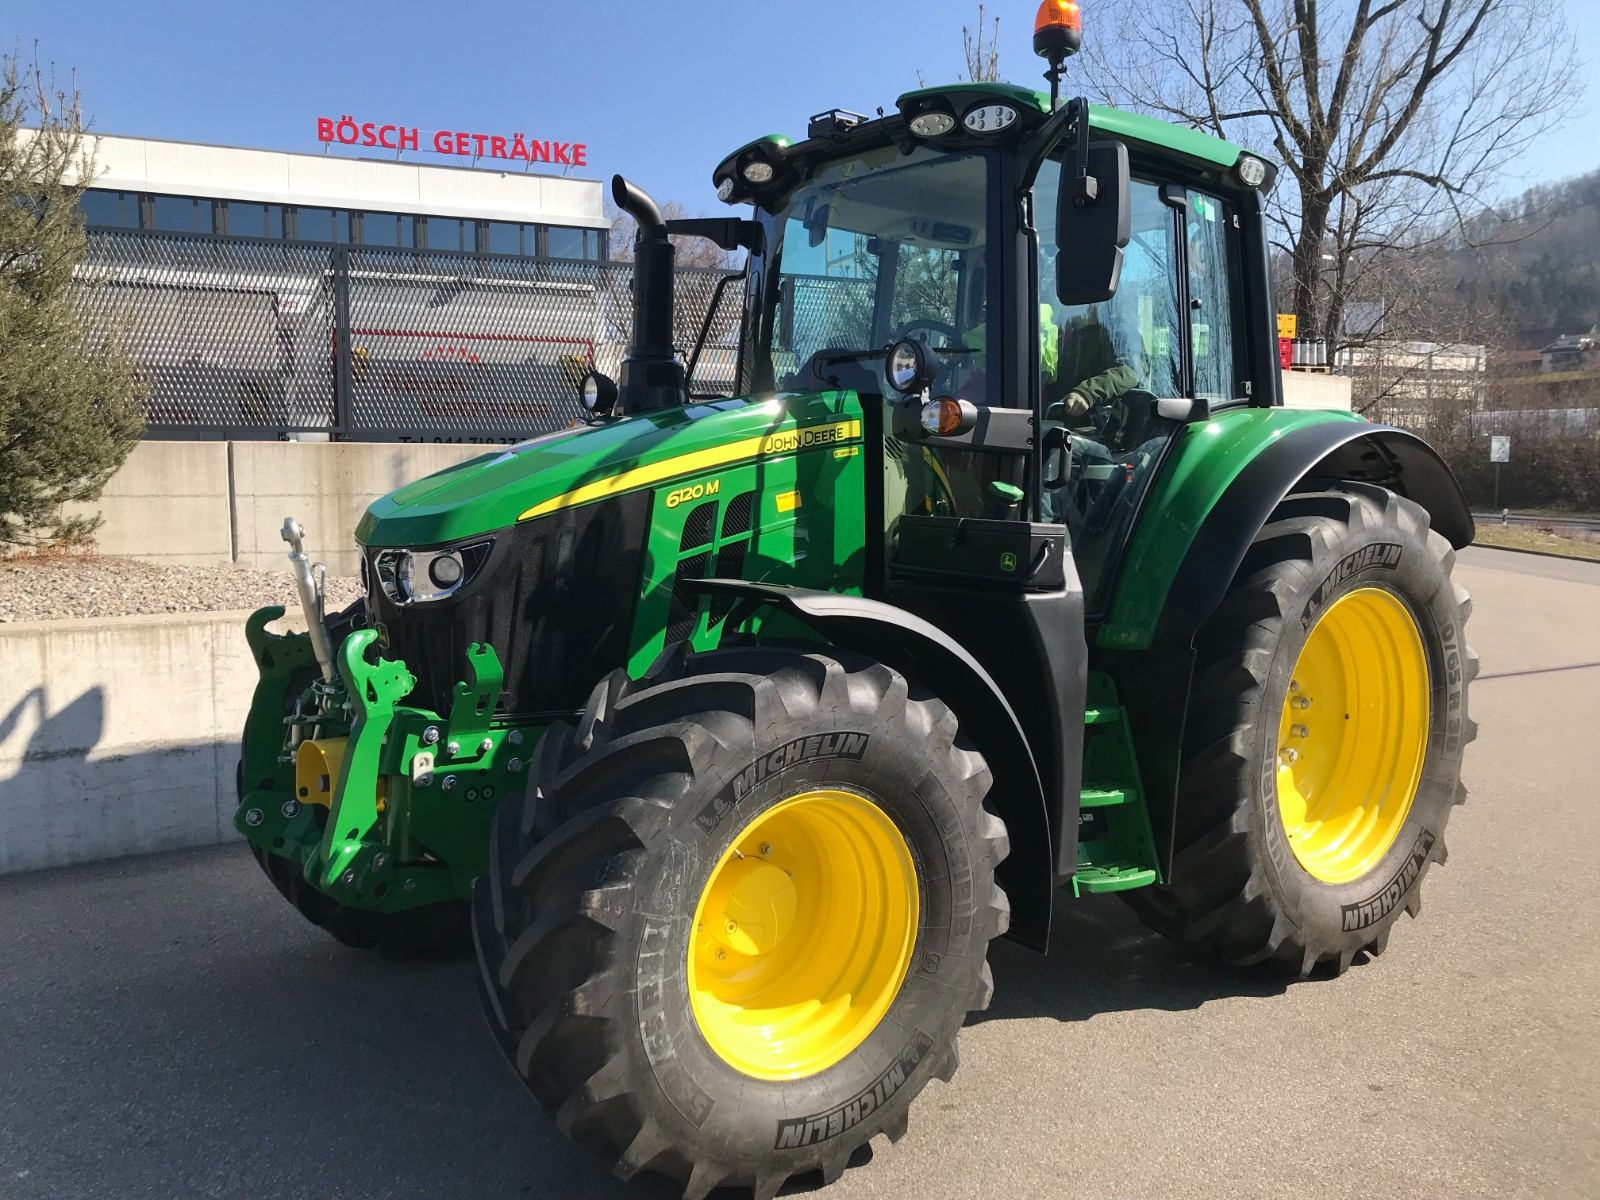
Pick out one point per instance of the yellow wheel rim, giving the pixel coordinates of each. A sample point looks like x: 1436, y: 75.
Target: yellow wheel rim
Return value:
x: 1352, y: 735
x: 803, y: 935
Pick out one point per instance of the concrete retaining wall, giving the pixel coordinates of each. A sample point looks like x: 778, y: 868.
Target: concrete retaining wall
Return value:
x: 327, y: 486
x: 119, y: 736
x: 169, y: 504
x: 214, y: 503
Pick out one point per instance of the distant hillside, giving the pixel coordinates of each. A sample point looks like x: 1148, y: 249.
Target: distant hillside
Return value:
x: 1543, y: 269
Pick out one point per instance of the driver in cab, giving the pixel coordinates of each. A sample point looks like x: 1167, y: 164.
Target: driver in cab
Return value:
x: 1090, y: 371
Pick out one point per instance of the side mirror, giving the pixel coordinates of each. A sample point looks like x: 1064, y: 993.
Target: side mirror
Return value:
x: 1090, y: 233
x: 1183, y: 409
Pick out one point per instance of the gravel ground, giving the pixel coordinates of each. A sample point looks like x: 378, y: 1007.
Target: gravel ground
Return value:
x: 52, y: 588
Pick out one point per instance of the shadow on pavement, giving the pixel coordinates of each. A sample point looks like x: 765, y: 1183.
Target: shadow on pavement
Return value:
x: 1103, y: 959
x: 172, y: 1028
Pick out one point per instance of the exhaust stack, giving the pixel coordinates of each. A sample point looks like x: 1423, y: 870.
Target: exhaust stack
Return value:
x: 651, y: 377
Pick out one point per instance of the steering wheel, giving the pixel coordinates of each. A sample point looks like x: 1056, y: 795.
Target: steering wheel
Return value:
x: 950, y: 331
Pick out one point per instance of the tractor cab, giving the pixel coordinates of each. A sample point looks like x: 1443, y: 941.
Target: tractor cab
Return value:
x: 1037, y: 322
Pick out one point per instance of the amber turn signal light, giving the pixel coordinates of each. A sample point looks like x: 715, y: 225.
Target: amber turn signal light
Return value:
x: 947, y: 417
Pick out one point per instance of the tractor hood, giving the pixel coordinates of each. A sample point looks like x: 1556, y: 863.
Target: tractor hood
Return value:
x: 578, y: 466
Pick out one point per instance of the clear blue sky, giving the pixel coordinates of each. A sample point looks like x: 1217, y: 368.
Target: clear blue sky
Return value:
x: 659, y: 91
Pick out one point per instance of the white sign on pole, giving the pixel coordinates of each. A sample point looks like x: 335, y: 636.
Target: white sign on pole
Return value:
x: 1499, y: 449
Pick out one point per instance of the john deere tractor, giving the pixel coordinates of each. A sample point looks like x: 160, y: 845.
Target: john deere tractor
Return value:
x: 732, y: 729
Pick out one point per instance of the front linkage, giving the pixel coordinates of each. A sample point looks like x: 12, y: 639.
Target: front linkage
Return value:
x: 383, y: 807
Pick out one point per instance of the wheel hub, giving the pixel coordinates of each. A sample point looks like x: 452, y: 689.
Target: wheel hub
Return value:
x: 803, y: 935
x: 1352, y: 735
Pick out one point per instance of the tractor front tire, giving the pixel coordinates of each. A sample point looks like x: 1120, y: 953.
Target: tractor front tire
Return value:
x: 740, y: 916
x: 1322, y: 752
x: 429, y: 931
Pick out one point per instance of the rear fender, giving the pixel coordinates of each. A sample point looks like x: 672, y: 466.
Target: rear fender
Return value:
x: 1153, y: 672
x: 923, y: 652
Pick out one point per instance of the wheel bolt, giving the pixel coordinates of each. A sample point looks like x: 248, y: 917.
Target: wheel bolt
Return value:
x: 1301, y: 701
x: 766, y: 847
x: 721, y: 954
x: 1301, y: 731
x: 1290, y: 755
x: 732, y: 925
x: 1294, y: 685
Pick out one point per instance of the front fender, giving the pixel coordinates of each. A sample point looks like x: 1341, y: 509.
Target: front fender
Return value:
x: 922, y: 651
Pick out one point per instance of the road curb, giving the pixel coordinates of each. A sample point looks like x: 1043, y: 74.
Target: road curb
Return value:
x: 1536, y: 553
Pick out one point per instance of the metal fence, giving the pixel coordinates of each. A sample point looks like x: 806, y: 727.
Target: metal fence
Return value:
x: 243, y: 337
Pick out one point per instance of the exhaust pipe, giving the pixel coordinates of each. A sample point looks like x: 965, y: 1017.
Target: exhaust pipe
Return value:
x: 651, y: 377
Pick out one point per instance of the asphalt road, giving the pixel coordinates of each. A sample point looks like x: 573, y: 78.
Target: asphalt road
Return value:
x: 169, y: 1028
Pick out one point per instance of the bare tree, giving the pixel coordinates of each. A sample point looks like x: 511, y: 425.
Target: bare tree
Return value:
x: 1397, y: 121
x: 692, y: 251
x: 983, y: 58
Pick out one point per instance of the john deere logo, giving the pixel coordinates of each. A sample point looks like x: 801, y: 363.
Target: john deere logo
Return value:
x: 1008, y: 561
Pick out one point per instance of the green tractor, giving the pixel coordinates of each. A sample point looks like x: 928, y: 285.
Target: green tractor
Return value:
x: 732, y: 729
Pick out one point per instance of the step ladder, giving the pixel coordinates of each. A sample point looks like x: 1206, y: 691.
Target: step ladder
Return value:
x: 1116, y: 848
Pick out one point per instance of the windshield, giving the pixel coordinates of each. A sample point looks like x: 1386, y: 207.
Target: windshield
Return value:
x: 876, y: 248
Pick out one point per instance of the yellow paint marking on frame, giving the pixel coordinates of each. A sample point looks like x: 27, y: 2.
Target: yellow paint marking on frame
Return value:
x: 785, y: 442
x: 787, y: 501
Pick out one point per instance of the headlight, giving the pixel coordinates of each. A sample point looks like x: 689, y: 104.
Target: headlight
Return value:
x: 418, y: 576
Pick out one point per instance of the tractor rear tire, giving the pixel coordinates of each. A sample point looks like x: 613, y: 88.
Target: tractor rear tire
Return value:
x: 1322, y: 752
x: 832, y: 808
x: 430, y: 931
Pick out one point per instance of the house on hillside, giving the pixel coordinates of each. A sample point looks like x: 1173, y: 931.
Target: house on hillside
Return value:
x: 1571, y: 352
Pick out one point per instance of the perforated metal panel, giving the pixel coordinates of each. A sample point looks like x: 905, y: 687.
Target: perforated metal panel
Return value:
x: 230, y: 334
x: 251, y: 337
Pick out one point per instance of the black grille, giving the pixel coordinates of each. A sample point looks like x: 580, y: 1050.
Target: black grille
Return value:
x: 556, y: 601
x: 697, y: 527
x: 736, y: 520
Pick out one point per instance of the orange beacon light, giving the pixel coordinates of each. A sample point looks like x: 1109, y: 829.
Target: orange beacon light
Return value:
x: 1057, y: 30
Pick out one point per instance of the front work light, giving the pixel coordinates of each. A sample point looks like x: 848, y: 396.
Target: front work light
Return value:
x: 597, y: 393
x: 932, y: 124
x: 1057, y: 30
x: 989, y: 118
x: 758, y: 172
x: 910, y: 367
x: 1251, y: 170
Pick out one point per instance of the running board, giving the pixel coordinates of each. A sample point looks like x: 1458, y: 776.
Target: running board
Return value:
x: 1116, y: 849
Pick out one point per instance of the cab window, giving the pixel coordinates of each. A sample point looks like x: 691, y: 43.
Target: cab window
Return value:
x: 1211, y: 236
x: 1102, y: 369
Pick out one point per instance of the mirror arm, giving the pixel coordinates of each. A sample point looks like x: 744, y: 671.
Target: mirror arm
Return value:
x: 729, y: 233
x: 1085, y: 188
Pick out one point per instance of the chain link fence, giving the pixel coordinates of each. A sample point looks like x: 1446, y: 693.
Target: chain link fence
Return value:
x: 242, y: 337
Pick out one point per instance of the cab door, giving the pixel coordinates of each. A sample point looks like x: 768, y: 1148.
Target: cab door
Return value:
x: 1171, y: 330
